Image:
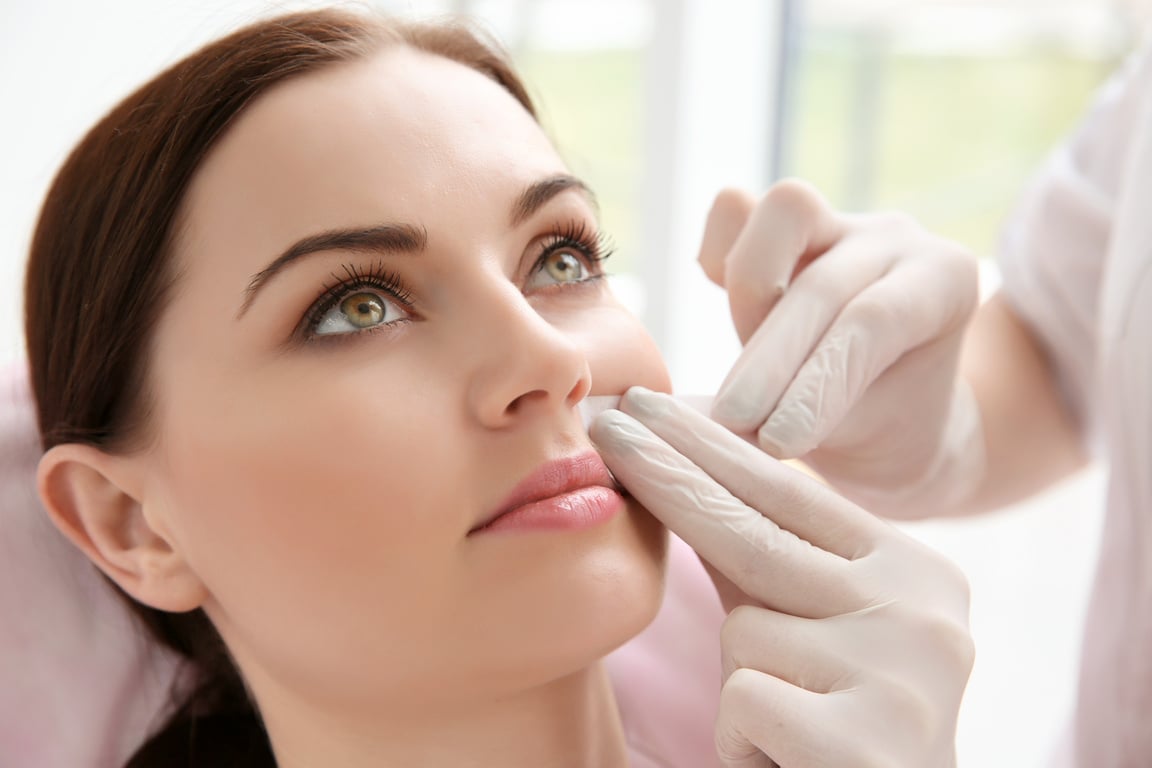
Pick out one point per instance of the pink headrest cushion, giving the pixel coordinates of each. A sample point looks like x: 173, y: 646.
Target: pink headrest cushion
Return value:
x: 81, y: 684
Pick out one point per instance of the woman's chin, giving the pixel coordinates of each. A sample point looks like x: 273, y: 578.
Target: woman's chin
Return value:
x: 589, y: 601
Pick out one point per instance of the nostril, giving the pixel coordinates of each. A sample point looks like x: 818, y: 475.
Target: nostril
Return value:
x: 581, y: 388
x: 525, y: 400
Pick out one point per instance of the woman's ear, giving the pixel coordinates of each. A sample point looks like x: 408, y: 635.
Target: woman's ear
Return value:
x: 94, y: 498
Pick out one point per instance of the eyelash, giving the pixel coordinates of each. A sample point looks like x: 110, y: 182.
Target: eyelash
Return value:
x: 594, y: 246
x: 375, y: 276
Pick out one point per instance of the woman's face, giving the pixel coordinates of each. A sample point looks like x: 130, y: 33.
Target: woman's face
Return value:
x: 334, y: 425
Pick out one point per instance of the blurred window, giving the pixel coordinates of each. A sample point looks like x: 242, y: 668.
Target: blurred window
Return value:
x: 583, y: 61
x: 941, y: 108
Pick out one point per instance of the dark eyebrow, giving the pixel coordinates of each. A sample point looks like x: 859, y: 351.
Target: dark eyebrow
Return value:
x: 540, y: 192
x: 388, y: 238
x: 403, y: 238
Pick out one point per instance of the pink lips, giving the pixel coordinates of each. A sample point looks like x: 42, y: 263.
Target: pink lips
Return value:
x: 563, y: 495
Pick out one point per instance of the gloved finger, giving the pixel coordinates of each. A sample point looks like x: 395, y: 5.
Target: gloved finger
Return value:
x: 789, y: 648
x: 790, y: 226
x: 765, y: 721
x: 793, y: 501
x: 726, y: 219
x: 785, y: 339
x: 906, y: 309
x: 772, y: 566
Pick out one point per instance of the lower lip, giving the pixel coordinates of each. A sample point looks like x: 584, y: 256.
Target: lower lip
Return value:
x: 571, y: 511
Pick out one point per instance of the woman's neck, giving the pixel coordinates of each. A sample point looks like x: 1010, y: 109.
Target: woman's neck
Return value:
x: 572, y: 721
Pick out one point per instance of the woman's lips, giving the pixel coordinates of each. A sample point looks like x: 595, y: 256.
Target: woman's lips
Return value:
x: 563, y: 495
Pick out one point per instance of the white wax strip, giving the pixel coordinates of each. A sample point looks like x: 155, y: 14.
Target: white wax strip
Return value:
x: 591, y: 407
x: 594, y: 405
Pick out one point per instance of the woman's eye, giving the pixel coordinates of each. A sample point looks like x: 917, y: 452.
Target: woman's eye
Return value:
x: 358, y: 312
x: 558, y: 267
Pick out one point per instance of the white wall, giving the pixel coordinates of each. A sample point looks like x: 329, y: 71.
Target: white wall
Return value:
x: 63, y: 64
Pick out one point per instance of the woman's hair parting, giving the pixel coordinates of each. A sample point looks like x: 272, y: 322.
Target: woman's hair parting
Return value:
x: 100, y: 270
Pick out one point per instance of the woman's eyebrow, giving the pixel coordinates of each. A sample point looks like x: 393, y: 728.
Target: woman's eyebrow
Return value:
x: 403, y: 238
x: 386, y: 238
x: 540, y: 192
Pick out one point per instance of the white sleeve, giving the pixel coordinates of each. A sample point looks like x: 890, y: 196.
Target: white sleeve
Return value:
x: 1054, y: 249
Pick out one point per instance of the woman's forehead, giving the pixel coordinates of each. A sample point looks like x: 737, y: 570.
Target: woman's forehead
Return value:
x: 402, y: 137
x: 401, y: 122
x: 402, y: 134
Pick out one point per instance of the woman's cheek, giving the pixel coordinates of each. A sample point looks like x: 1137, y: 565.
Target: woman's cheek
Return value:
x: 621, y: 353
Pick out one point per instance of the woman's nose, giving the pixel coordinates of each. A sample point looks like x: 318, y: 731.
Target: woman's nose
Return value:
x: 524, y: 367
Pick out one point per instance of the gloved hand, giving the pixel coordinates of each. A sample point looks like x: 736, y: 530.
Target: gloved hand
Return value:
x: 846, y: 643
x: 852, y: 326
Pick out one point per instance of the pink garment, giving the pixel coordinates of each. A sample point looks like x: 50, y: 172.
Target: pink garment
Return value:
x: 667, y: 679
x: 80, y: 686
x: 1077, y: 266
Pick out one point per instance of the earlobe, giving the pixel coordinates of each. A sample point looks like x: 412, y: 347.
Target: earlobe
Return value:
x: 93, y: 499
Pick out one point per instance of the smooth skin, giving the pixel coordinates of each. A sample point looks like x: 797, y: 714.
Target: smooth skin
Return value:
x: 315, y: 495
x: 1031, y: 439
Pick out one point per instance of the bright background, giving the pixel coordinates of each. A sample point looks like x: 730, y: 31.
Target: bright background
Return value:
x: 938, y: 107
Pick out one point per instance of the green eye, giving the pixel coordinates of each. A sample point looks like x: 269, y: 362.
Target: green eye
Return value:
x: 361, y: 300
x: 563, y: 267
x: 359, y: 311
x: 363, y: 310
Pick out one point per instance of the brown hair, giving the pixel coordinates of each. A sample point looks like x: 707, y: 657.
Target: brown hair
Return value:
x: 101, y: 254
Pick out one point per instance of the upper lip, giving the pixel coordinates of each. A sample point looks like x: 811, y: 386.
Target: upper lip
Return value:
x: 553, y: 478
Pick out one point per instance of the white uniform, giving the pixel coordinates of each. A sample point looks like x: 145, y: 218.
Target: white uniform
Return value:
x: 1077, y: 265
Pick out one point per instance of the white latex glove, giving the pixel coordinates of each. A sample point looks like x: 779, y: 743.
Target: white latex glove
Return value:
x: 847, y: 641
x: 852, y: 326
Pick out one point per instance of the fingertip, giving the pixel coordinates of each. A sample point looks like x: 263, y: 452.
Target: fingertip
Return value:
x: 634, y: 391
x: 773, y: 448
x: 733, y: 201
x: 625, y: 430
x: 635, y: 399
x: 736, y: 410
x: 726, y: 219
x: 780, y: 441
x: 609, y: 430
x: 731, y: 417
x: 646, y: 405
x: 798, y: 196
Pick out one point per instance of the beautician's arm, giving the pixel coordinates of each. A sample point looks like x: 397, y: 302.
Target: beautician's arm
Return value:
x: 1031, y: 439
x: 1029, y: 353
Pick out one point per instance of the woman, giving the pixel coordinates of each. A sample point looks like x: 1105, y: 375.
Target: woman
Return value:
x: 308, y: 317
